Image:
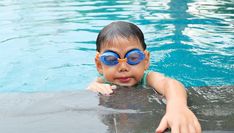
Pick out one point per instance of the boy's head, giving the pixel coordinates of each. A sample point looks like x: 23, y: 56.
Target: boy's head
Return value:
x: 121, y: 53
x: 117, y: 30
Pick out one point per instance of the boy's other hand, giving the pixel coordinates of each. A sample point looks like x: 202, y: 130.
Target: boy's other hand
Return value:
x: 180, y: 120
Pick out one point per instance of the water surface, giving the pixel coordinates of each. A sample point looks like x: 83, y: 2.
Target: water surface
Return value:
x: 48, y: 45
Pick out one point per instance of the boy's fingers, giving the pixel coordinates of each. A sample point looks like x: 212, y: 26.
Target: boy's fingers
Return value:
x: 175, y: 129
x: 192, y: 129
x: 197, y: 126
x: 104, y: 89
x: 185, y: 129
x: 107, y: 89
x: 113, y: 87
x: 162, y: 126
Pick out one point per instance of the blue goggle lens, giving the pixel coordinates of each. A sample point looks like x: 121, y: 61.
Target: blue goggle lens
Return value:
x: 109, y: 58
x: 134, y: 57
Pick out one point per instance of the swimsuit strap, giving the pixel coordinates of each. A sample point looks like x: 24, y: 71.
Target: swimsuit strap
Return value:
x: 143, y: 81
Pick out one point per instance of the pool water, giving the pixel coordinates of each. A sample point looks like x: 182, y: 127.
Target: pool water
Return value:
x: 48, y: 45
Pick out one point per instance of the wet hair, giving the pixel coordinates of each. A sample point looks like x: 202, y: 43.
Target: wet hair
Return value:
x: 119, y: 29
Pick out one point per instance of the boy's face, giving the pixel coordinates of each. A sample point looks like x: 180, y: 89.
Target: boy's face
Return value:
x: 123, y: 74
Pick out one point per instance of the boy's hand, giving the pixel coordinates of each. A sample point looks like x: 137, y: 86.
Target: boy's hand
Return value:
x: 180, y: 119
x: 104, y: 89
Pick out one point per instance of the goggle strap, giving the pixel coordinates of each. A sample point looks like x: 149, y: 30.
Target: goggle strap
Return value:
x: 97, y: 55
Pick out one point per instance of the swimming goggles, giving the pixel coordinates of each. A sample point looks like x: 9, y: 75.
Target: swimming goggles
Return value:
x: 132, y: 57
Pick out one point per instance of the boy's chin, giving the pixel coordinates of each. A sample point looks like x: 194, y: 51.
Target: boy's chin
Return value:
x: 126, y: 84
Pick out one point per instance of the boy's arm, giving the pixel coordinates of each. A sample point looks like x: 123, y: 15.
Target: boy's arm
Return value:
x: 178, y: 116
x: 99, y: 86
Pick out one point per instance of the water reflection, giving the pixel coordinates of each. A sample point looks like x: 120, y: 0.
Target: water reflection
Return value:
x: 178, y: 12
x: 141, y: 110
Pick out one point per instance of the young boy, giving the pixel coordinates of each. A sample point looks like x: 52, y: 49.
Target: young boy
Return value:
x: 122, y: 60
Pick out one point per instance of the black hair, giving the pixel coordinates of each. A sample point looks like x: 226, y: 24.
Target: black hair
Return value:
x: 119, y: 29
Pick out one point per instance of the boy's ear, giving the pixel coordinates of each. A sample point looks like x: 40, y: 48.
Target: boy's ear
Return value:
x: 147, y: 60
x: 98, y: 64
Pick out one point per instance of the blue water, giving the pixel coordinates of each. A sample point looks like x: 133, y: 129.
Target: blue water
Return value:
x: 48, y: 45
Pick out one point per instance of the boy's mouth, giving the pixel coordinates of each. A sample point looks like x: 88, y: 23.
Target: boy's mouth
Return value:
x: 123, y: 79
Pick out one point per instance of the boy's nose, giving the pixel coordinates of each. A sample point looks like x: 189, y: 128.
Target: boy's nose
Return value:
x: 123, y: 66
